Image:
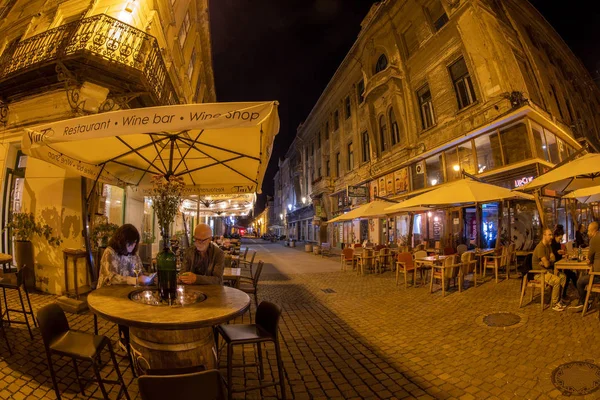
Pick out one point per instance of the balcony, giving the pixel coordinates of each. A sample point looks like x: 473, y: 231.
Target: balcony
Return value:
x: 100, y: 49
x: 381, y: 82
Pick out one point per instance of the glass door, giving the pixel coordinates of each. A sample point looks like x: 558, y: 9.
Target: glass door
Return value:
x: 13, y: 197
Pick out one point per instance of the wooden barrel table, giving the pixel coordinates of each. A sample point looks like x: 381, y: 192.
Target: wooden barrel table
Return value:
x: 164, y: 337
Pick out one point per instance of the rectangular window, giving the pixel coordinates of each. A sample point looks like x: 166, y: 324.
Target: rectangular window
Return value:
x: 563, y: 151
x: 336, y: 120
x: 360, y: 91
x: 185, y: 28
x: 417, y: 175
x: 319, y: 140
x: 553, y: 89
x: 411, y: 43
x: 532, y: 88
x: 539, y: 142
x: 435, y: 173
x: 327, y: 168
x: 437, y: 14
x: 347, y: 108
x: 366, y: 148
x: 463, y: 85
x: 488, y: 151
x: 350, y: 156
x: 426, y: 107
x: 338, y: 165
x: 465, y: 157
x: 327, y: 130
x: 452, y: 164
x: 190, y: 70
x: 552, y: 146
x: 514, y: 143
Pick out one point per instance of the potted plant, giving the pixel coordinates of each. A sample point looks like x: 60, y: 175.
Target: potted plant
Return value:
x: 23, y: 226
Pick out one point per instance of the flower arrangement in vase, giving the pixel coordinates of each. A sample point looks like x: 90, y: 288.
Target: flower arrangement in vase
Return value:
x: 166, y: 197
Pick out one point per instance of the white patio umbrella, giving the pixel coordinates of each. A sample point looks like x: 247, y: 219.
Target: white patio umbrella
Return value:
x: 220, y: 148
x: 375, y: 208
x: 579, y: 173
x: 464, y: 191
x: 586, y: 195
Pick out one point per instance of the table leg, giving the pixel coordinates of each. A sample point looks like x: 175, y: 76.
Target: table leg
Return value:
x: 66, y: 275
x: 75, y: 283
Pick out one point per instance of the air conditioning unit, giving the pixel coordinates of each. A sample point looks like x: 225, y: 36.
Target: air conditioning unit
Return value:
x: 420, y: 168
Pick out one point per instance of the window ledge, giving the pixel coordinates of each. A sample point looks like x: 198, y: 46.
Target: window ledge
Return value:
x: 432, y: 127
x: 467, y: 108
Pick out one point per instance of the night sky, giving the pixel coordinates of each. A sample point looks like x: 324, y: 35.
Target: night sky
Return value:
x: 289, y: 50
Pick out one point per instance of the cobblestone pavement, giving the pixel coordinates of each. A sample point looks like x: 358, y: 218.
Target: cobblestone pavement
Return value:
x: 364, y: 338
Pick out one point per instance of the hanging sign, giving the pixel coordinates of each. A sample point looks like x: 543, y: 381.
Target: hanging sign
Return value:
x: 357, y: 191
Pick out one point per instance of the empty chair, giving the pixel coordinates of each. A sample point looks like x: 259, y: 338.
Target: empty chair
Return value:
x: 592, y: 287
x: 206, y: 385
x: 383, y: 258
x: 60, y: 340
x: 14, y: 282
x: 264, y: 330
x: 347, y: 257
x: 247, y: 265
x: 461, y: 248
x: 250, y: 285
x: 405, y: 264
x: 496, y: 262
x: 448, y: 270
x: 468, y: 266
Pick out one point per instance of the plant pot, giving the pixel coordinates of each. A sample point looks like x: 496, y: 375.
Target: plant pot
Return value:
x: 308, y: 248
x: 24, y: 256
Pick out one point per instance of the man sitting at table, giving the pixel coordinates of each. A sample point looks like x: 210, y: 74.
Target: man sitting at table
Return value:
x: 544, y: 258
x: 593, y: 262
x: 203, y: 263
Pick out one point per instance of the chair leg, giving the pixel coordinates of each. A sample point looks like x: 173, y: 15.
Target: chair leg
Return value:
x: 78, y: 377
x: 53, y: 375
x: 431, y: 281
x: 280, y: 369
x: 229, y: 371
x: 443, y: 282
x: 496, y: 267
x: 25, y: 314
x: 405, y: 277
x: 117, y: 370
x: 261, y: 369
x: 256, y: 297
x: 523, y: 288
x: 543, y: 289
x: 5, y: 337
x: 587, y: 299
x: 6, y: 306
x: 29, y: 304
x: 99, y: 380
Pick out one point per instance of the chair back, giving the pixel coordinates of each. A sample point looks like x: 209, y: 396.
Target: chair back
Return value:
x: 246, y: 252
x: 207, y: 385
x: 449, y: 262
x: 449, y: 250
x: 461, y: 249
x: 406, y: 258
x: 53, y: 323
x: 468, y: 262
x: 526, y: 266
x: 267, y: 317
x: 253, y: 255
x: 420, y: 254
x: 384, y: 251
x: 356, y: 245
x: 259, y: 268
x: 348, y: 253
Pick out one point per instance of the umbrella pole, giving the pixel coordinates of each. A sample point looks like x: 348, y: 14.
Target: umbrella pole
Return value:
x: 540, y: 208
x: 411, y: 225
x: 86, y: 229
x: 478, y: 237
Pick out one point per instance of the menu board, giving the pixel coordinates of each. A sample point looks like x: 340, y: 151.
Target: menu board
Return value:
x: 401, y: 180
x: 382, y: 191
x: 389, y: 183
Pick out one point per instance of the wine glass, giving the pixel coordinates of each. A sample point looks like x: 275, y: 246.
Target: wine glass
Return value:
x: 137, y: 268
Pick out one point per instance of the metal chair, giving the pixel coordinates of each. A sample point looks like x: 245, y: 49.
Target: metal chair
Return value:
x: 60, y: 340
x: 250, y: 285
x: 264, y: 330
x: 247, y: 265
x: 14, y: 282
x: 3, y: 332
x: 207, y: 385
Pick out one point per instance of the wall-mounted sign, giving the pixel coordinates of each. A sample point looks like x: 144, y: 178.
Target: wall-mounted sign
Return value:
x: 357, y: 191
x: 523, y: 181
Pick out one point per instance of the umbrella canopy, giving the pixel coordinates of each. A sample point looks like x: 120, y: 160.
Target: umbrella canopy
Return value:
x: 215, y: 148
x: 586, y: 195
x: 464, y: 191
x: 373, y: 209
x: 579, y: 173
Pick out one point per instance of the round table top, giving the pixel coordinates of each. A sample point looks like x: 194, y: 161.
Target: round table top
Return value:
x: 4, y: 258
x: 222, y: 304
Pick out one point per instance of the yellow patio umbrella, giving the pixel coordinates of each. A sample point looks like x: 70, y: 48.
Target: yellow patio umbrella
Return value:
x: 373, y: 209
x: 579, y: 173
x: 220, y: 148
x: 586, y: 195
x: 463, y: 191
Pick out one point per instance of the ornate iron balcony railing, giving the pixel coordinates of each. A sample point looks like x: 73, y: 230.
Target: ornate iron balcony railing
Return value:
x: 101, y: 36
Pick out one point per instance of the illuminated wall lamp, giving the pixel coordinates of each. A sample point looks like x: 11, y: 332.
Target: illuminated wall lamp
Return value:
x: 130, y: 6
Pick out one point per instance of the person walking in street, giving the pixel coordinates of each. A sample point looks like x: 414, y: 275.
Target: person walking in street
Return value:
x: 593, y: 262
x: 544, y: 258
x: 204, y: 262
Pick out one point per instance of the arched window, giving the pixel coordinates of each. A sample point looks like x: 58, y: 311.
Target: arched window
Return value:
x: 394, y: 128
x: 382, y: 63
x: 382, y: 133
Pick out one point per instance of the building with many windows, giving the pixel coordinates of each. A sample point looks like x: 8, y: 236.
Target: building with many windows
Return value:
x: 432, y: 88
x: 62, y: 59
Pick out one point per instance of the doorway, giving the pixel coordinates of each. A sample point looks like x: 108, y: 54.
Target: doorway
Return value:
x: 14, y: 183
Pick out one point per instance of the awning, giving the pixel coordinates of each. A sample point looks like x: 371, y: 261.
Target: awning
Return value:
x: 586, y: 195
x: 220, y: 148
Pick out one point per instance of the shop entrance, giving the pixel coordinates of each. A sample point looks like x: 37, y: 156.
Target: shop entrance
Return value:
x: 13, y: 197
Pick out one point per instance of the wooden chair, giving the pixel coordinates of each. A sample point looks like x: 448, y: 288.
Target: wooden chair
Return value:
x: 448, y: 270
x: 405, y: 264
x: 325, y: 249
x: 468, y: 266
x: 495, y: 262
x: 591, y: 288
x: 368, y: 260
x: 423, y: 268
x: 533, y: 281
x: 383, y: 258
x: 347, y: 257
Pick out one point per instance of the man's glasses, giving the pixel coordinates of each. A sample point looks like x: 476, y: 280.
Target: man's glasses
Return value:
x: 200, y: 241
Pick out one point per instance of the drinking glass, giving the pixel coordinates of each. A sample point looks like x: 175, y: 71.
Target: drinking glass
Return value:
x: 137, y: 268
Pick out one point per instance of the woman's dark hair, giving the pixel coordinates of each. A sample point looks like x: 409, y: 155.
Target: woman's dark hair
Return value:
x: 125, y: 234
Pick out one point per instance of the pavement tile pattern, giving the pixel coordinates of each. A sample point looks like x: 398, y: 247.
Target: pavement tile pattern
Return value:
x: 344, y: 336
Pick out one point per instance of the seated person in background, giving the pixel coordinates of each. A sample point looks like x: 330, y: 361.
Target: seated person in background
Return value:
x: 544, y: 258
x: 120, y: 259
x: 571, y: 276
x: 203, y: 263
x: 581, y: 239
x: 593, y: 261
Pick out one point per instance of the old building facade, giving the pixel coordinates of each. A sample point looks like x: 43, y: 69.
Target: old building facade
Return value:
x: 63, y: 59
x: 432, y: 88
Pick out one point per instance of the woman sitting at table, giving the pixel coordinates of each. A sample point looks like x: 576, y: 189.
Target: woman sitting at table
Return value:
x: 120, y: 259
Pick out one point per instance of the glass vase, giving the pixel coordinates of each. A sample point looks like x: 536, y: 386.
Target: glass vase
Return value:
x: 166, y: 265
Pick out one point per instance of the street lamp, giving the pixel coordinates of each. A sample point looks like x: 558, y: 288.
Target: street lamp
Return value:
x: 304, y: 200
